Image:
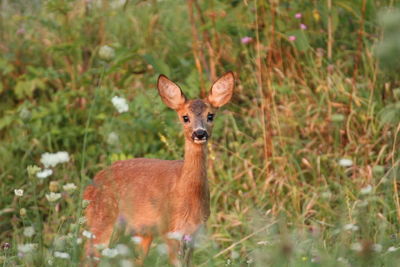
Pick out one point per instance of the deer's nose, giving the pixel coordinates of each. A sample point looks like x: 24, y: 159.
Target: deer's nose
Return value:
x: 200, y: 134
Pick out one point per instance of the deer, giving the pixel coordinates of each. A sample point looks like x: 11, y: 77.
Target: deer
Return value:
x: 160, y: 197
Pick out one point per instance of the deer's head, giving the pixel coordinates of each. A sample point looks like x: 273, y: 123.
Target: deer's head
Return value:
x: 196, y: 115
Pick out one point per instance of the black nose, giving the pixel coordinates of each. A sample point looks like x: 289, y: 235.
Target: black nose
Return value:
x: 200, y: 134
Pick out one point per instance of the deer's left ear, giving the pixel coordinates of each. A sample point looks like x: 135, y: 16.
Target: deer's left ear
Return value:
x: 222, y: 90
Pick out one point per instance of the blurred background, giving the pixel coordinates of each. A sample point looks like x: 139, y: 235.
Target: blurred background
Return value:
x: 303, y: 163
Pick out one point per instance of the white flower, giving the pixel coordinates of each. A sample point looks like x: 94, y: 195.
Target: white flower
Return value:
x: 19, y: 192
x: 29, y: 231
x: 117, y: 4
x: 79, y: 240
x: 350, y: 227
x: 53, y: 196
x: 100, y: 246
x: 112, y: 138
x: 61, y: 255
x: 137, y: 239
x: 234, y: 255
x: 175, y: 235
x: 345, y: 162
x: 122, y: 249
x: 109, y: 252
x: 44, y: 174
x: 52, y: 159
x: 377, y: 247
x: 70, y: 187
x: 88, y: 234
x: 125, y: 263
x: 356, y: 247
x: 26, y: 248
x: 82, y: 220
x: 366, y: 190
x: 106, y: 52
x: 392, y: 249
x: 120, y: 104
x: 162, y: 249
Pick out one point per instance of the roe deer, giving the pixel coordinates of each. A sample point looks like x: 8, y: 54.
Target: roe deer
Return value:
x: 156, y: 196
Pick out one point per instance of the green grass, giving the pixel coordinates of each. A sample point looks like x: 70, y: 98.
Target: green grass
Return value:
x: 279, y: 196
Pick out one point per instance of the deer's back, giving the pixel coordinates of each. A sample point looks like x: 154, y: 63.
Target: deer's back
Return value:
x: 136, y: 190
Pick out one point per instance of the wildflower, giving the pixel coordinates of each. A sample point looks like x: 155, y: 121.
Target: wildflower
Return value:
x: 88, y: 234
x: 356, y: 247
x: 100, y: 246
x: 109, y: 252
x: 44, y: 174
x: 85, y: 203
x: 292, y: 38
x: 366, y: 190
x: 52, y: 159
x: 122, y: 249
x: 53, y: 186
x: 106, y: 53
x: 29, y: 231
x: 22, y: 212
x: 125, y: 263
x: 61, y: 255
x: 350, y: 227
x: 263, y: 243
x: 345, y: 162
x: 298, y: 16
x: 138, y: 239
x: 26, y: 248
x: 303, y: 26
x: 162, y: 249
x: 32, y: 170
x: 5, y: 246
x: 377, y: 247
x: 187, y: 238
x: 79, y: 240
x: 326, y: 195
x: 21, y: 31
x: 70, y: 187
x: 19, y: 192
x: 175, y: 235
x: 246, y: 40
x: 112, y: 138
x: 82, y: 220
x: 234, y: 255
x: 120, y: 104
x: 53, y: 196
x: 392, y: 249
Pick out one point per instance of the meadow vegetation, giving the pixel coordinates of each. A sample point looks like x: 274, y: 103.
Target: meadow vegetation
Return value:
x: 303, y: 163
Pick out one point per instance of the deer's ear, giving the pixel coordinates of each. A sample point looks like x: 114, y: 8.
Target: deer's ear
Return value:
x: 170, y: 93
x: 222, y: 90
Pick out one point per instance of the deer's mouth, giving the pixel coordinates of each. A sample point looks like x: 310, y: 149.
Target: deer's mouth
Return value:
x: 200, y: 141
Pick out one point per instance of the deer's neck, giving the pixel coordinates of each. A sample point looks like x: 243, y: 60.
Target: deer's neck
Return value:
x: 194, y: 164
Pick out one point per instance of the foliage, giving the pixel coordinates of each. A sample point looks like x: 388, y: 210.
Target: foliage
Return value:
x: 315, y: 84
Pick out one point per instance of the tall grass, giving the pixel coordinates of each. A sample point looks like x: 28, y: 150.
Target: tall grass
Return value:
x: 317, y: 84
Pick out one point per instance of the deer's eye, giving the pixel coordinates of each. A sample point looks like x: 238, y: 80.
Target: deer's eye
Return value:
x: 210, y: 117
x: 185, y: 119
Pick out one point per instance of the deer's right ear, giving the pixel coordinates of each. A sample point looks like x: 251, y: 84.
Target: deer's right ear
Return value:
x: 170, y: 93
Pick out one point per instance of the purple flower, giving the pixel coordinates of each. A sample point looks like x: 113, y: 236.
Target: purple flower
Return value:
x: 187, y: 238
x: 298, y: 16
x: 292, y: 38
x: 303, y: 26
x: 20, y: 31
x: 246, y: 40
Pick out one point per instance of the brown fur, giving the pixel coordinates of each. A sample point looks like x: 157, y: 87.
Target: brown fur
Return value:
x: 154, y: 196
